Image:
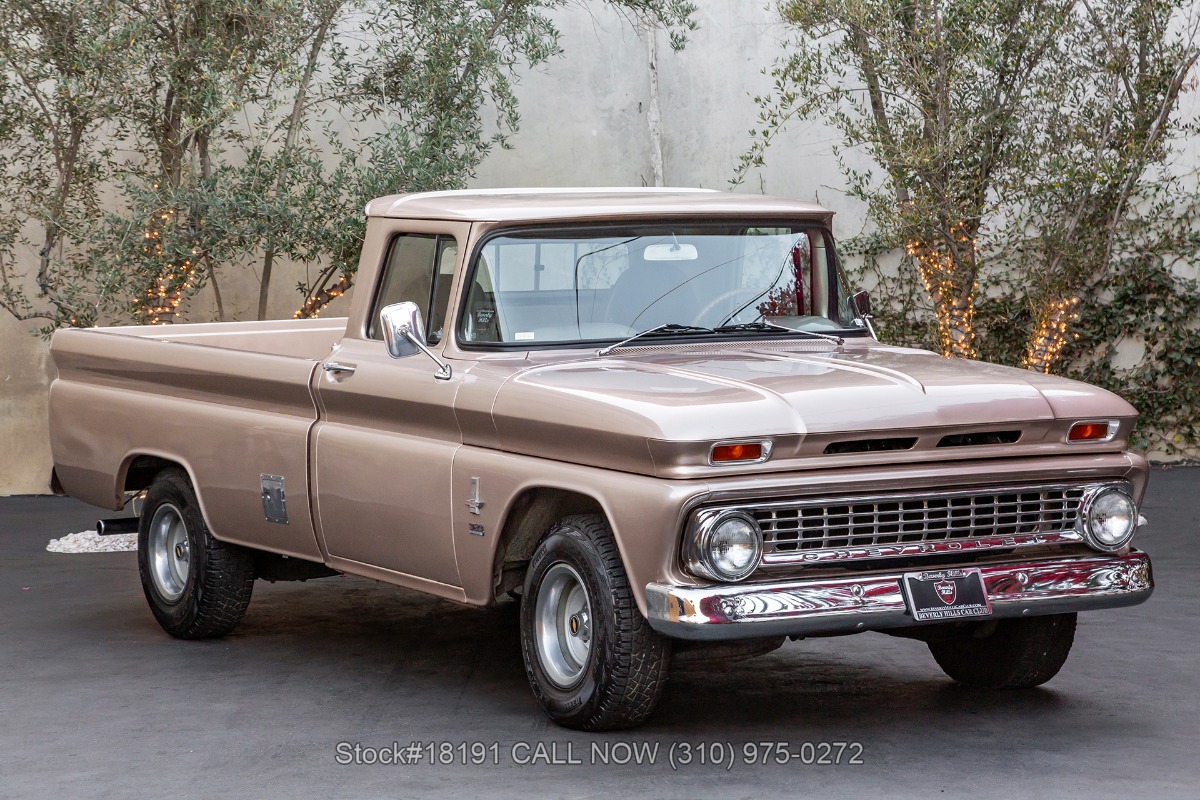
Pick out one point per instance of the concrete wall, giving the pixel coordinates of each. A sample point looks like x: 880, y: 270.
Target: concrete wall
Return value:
x: 584, y: 119
x: 24, y: 377
x: 584, y: 123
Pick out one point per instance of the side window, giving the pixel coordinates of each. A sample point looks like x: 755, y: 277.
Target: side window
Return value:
x: 419, y: 269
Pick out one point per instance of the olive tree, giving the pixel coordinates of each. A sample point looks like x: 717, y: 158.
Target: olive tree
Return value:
x: 1009, y: 135
x: 424, y: 83
x: 215, y: 131
x: 61, y: 73
x: 203, y: 69
x: 1094, y: 186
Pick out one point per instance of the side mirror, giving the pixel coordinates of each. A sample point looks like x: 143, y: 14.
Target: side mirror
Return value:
x: 404, y: 335
x: 401, y: 324
x: 862, y: 303
x: 862, y: 306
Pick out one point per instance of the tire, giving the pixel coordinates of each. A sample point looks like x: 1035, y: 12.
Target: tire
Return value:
x: 197, y: 587
x: 602, y: 671
x: 1009, y: 653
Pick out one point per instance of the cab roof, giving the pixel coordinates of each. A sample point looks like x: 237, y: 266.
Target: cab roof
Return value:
x: 582, y: 204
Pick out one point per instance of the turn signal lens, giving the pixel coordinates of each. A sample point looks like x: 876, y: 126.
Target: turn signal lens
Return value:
x: 746, y: 451
x: 1092, y: 431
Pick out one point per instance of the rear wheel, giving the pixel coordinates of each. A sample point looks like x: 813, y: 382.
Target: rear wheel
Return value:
x: 1008, y: 653
x: 593, y: 661
x: 197, y: 587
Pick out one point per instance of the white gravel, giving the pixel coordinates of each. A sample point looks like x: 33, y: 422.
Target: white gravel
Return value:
x: 92, y: 542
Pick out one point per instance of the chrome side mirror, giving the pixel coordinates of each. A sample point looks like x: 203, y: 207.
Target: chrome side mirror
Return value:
x: 404, y: 335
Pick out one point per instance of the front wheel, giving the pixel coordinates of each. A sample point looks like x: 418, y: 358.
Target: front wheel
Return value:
x: 197, y: 586
x: 593, y: 661
x: 1008, y: 653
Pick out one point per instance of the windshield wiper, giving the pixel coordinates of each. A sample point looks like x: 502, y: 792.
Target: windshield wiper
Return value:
x: 674, y: 328
x: 666, y: 329
x: 763, y: 325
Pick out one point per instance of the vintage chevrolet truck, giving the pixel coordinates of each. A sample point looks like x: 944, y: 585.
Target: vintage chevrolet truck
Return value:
x: 656, y: 418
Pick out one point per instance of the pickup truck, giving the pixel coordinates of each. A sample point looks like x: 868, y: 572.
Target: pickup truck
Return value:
x: 657, y: 419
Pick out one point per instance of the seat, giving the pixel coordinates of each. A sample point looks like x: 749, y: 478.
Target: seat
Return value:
x: 652, y: 293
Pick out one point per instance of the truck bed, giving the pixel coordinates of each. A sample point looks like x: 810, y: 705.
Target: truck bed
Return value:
x: 235, y: 396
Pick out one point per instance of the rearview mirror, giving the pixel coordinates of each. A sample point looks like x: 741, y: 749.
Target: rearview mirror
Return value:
x: 670, y: 252
x: 404, y: 335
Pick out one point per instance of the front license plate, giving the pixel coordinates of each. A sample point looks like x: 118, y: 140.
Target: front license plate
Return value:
x: 946, y: 594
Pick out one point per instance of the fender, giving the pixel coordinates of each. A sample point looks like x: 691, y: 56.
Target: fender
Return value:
x: 646, y: 513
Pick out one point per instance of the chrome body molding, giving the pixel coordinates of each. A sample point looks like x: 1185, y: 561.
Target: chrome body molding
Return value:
x: 973, y: 545
x: 876, y: 601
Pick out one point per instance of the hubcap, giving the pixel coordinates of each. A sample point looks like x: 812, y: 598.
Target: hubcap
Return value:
x: 562, y: 625
x: 169, y: 552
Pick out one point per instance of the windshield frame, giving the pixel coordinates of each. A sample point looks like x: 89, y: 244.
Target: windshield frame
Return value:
x: 598, y: 228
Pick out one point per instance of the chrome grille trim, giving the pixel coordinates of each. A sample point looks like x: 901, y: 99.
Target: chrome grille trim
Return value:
x: 880, y: 526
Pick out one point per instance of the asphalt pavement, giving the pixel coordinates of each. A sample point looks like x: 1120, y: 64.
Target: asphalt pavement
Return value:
x: 96, y: 701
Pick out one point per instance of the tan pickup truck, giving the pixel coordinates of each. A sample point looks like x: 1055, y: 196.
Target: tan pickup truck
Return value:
x: 658, y: 418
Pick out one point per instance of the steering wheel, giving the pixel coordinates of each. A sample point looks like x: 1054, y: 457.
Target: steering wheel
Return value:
x: 743, y: 293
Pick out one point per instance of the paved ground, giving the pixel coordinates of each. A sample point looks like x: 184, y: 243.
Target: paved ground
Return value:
x: 95, y: 701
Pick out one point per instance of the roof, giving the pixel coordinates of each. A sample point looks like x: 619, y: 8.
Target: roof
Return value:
x: 515, y: 205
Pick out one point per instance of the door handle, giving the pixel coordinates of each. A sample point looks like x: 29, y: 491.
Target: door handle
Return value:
x: 333, y: 366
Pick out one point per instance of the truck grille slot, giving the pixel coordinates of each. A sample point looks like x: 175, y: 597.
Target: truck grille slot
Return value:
x: 870, y: 445
x: 981, y: 437
x: 917, y: 518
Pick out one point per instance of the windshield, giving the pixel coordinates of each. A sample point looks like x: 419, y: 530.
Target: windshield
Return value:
x: 606, y: 284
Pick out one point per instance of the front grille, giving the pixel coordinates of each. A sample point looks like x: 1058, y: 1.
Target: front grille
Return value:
x: 915, y: 519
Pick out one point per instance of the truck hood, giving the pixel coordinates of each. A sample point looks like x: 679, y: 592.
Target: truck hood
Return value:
x: 611, y: 407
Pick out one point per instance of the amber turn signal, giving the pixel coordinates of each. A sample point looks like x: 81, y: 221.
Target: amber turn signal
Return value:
x: 744, y: 451
x: 1091, y: 431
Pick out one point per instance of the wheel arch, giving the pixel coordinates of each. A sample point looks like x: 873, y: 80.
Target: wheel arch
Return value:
x: 139, y: 469
x: 529, y: 517
x: 503, y: 503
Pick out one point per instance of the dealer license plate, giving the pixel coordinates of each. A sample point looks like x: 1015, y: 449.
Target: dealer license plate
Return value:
x: 946, y: 594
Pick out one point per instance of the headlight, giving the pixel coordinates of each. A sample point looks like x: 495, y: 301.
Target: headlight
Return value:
x: 725, y: 547
x: 1109, y: 519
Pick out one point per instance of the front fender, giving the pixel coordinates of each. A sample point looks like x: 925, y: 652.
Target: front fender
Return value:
x: 646, y: 514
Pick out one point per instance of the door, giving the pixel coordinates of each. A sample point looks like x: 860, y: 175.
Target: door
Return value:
x: 384, y: 447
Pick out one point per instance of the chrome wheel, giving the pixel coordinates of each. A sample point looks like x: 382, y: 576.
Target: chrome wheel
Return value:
x: 169, y: 551
x: 563, y: 625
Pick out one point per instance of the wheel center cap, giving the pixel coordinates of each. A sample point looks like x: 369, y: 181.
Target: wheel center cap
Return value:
x: 578, y: 625
x: 181, y: 552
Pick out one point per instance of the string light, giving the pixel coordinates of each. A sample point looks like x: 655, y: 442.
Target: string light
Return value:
x: 1051, y: 334
x: 955, y: 324
x: 167, y: 291
x: 318, y: 300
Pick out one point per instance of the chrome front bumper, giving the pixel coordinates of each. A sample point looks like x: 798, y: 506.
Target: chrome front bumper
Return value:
x: 875, y: 601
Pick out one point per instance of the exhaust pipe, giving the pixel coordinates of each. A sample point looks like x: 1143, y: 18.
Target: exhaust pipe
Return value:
x: 111, y: 527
